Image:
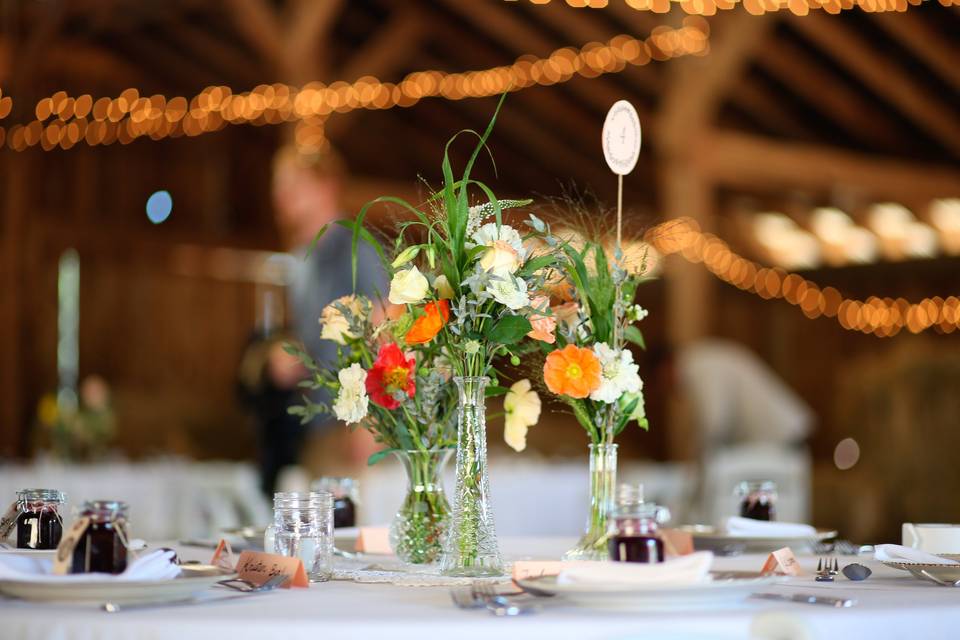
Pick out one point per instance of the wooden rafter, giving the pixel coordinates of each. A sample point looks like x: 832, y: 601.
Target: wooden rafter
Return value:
x: 942, y: 54
x: 259, y: 24
x: 883, y: 75
x: 768, y: 110
x: 751, y: 162
x: 306, y: 25
x: 817, y: 86
x: 698, y: 86
x: 379, y: 57
x: 242, y: 69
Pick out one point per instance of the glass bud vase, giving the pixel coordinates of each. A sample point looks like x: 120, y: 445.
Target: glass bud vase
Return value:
x: 470, y: 548
x: 416, y: 534
x: 603, y: 483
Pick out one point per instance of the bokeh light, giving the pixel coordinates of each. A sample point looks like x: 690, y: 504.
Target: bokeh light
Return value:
x: 159, y: 206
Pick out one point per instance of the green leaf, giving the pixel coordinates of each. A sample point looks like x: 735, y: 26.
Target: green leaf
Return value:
x: 494, y: 391
x: 643, y: 424
x: 582, y: 416
x: 377, y: 456
x: 632, y: 334
x: 625, y: 414
x: 406, y: 256
x: 509, y: 330
x: 536, y: 264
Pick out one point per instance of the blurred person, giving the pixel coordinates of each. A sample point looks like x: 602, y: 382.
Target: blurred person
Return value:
x: 732, y: 414
x: 306, y: 196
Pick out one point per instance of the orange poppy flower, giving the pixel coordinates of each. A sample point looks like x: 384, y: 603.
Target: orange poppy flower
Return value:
x: 572, y: 371
x: 427, y: 326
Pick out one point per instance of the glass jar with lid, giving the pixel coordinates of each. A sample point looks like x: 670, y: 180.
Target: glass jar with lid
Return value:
x: 634, y: 535
x: 39, y: 522
x: 758, y: 499
x: 102, y: 547
x: 345, y: 492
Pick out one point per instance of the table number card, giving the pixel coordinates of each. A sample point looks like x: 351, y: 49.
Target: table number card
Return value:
x: 782, y: 562
x: 258, y: 567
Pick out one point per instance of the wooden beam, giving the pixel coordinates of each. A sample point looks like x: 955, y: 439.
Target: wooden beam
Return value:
x: 379, y: 57
x: 792, y: 66
x: 240, y: 68
x: 883, y: 75
x: 260, y: 25
x: 698, y: 85
x: 941, y: 54
x: 503, y: 25
x: 767, y: 109
x: 751, y: 162
x: 306, y: 26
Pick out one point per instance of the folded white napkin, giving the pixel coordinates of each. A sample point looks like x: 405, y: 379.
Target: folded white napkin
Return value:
x: 684, y: 570
x: 750, y: 528
x: 899, y: 553
x: 155, y: 565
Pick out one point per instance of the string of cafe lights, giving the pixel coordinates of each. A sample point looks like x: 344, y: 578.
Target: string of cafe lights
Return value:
x: 755, y: 7
x: 882, y: 317
x: 63, y: 121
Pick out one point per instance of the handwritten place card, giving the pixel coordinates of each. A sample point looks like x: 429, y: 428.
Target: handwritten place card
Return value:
x: 676, y: 542
x: 8, y: 521
x: 375, y: 540
x: 523, y: 569
x: 782, y: 562
x: 258, y: 567
x: 223, y: 557
x: 63, y: 561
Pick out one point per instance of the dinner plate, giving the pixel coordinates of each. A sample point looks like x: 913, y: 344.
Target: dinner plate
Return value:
x: 724, y: 590
x: 30, y: 553
x: 100, y: 591
x: 947, y: 572
x: 708, y: 538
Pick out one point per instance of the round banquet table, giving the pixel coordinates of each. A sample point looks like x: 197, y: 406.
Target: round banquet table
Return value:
x: 891, y: 604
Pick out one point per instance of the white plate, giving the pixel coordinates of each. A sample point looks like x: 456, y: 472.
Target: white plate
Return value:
x: 30, y: 553
x: 947, y: 572
x: 108, y: 591
x: 724, y: 591
x: 711, y: 539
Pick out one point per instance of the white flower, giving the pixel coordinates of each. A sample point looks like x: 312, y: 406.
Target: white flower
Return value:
x: 636, y: 313
x: 471, y: 347
x: 352, y: 401
x: 408, y: 286
x: 334, y: 325
x: 504, y: 247
x: 618, y: 375
x: 522, y: 408
x: 442, y: 286
x: 509, y: 291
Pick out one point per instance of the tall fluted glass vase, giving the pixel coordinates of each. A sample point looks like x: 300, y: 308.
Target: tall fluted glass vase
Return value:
x: 603, y: 483
x: 416, y: 534
x: 471, y: 548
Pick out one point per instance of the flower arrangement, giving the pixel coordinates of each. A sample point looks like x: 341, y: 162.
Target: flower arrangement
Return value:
x: 80, y: 430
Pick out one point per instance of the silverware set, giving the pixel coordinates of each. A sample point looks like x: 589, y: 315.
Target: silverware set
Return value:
x: 484, y: 595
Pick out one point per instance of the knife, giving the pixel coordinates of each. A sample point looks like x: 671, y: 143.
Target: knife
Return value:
x: 806, y: 598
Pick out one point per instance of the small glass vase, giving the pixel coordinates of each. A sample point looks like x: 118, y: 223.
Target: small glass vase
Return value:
x: 470, y: 547
x: 603, y: 482
x: 416, y: 534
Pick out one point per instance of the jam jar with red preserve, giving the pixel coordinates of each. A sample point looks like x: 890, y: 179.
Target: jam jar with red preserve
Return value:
x: 634, y: 536
x: 39, y: 523
x: 758, y: 499
x: 102, y: 547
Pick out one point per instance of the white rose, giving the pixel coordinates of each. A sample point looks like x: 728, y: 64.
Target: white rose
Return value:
x: 522, y: 408
x: 619, y: 374
x: 509, y: 291
x: 352, y: 401
x: 500, y: 257
x: 408, y: 287
x: 442, y: 286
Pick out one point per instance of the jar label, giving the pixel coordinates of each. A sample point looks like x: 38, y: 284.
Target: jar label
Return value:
x: 8, y: 521
x: 64, y: 560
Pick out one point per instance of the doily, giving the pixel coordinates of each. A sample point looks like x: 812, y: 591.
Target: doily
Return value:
x: 402, y: 574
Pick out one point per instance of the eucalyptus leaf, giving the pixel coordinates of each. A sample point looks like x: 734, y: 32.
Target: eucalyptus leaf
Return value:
x: 509, y: 330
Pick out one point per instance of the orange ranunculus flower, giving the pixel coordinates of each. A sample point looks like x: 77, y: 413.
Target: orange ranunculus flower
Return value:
x: 543, y: 325
x: 427, y: 326
x: 572, y: 371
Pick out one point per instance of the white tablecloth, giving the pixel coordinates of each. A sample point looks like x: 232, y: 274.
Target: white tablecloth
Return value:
x: 891, y: 605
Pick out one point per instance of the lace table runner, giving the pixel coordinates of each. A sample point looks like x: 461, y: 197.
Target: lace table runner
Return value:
x: 391, y: 571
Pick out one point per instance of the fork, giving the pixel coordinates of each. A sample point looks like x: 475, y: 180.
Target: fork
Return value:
x: 499, y: 605
x: 825, y: 572
x: 245, y: 586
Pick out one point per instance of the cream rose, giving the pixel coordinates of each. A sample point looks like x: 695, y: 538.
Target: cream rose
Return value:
x: 408, y: 287
x: 442, y: 286
x: 501, y: 258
